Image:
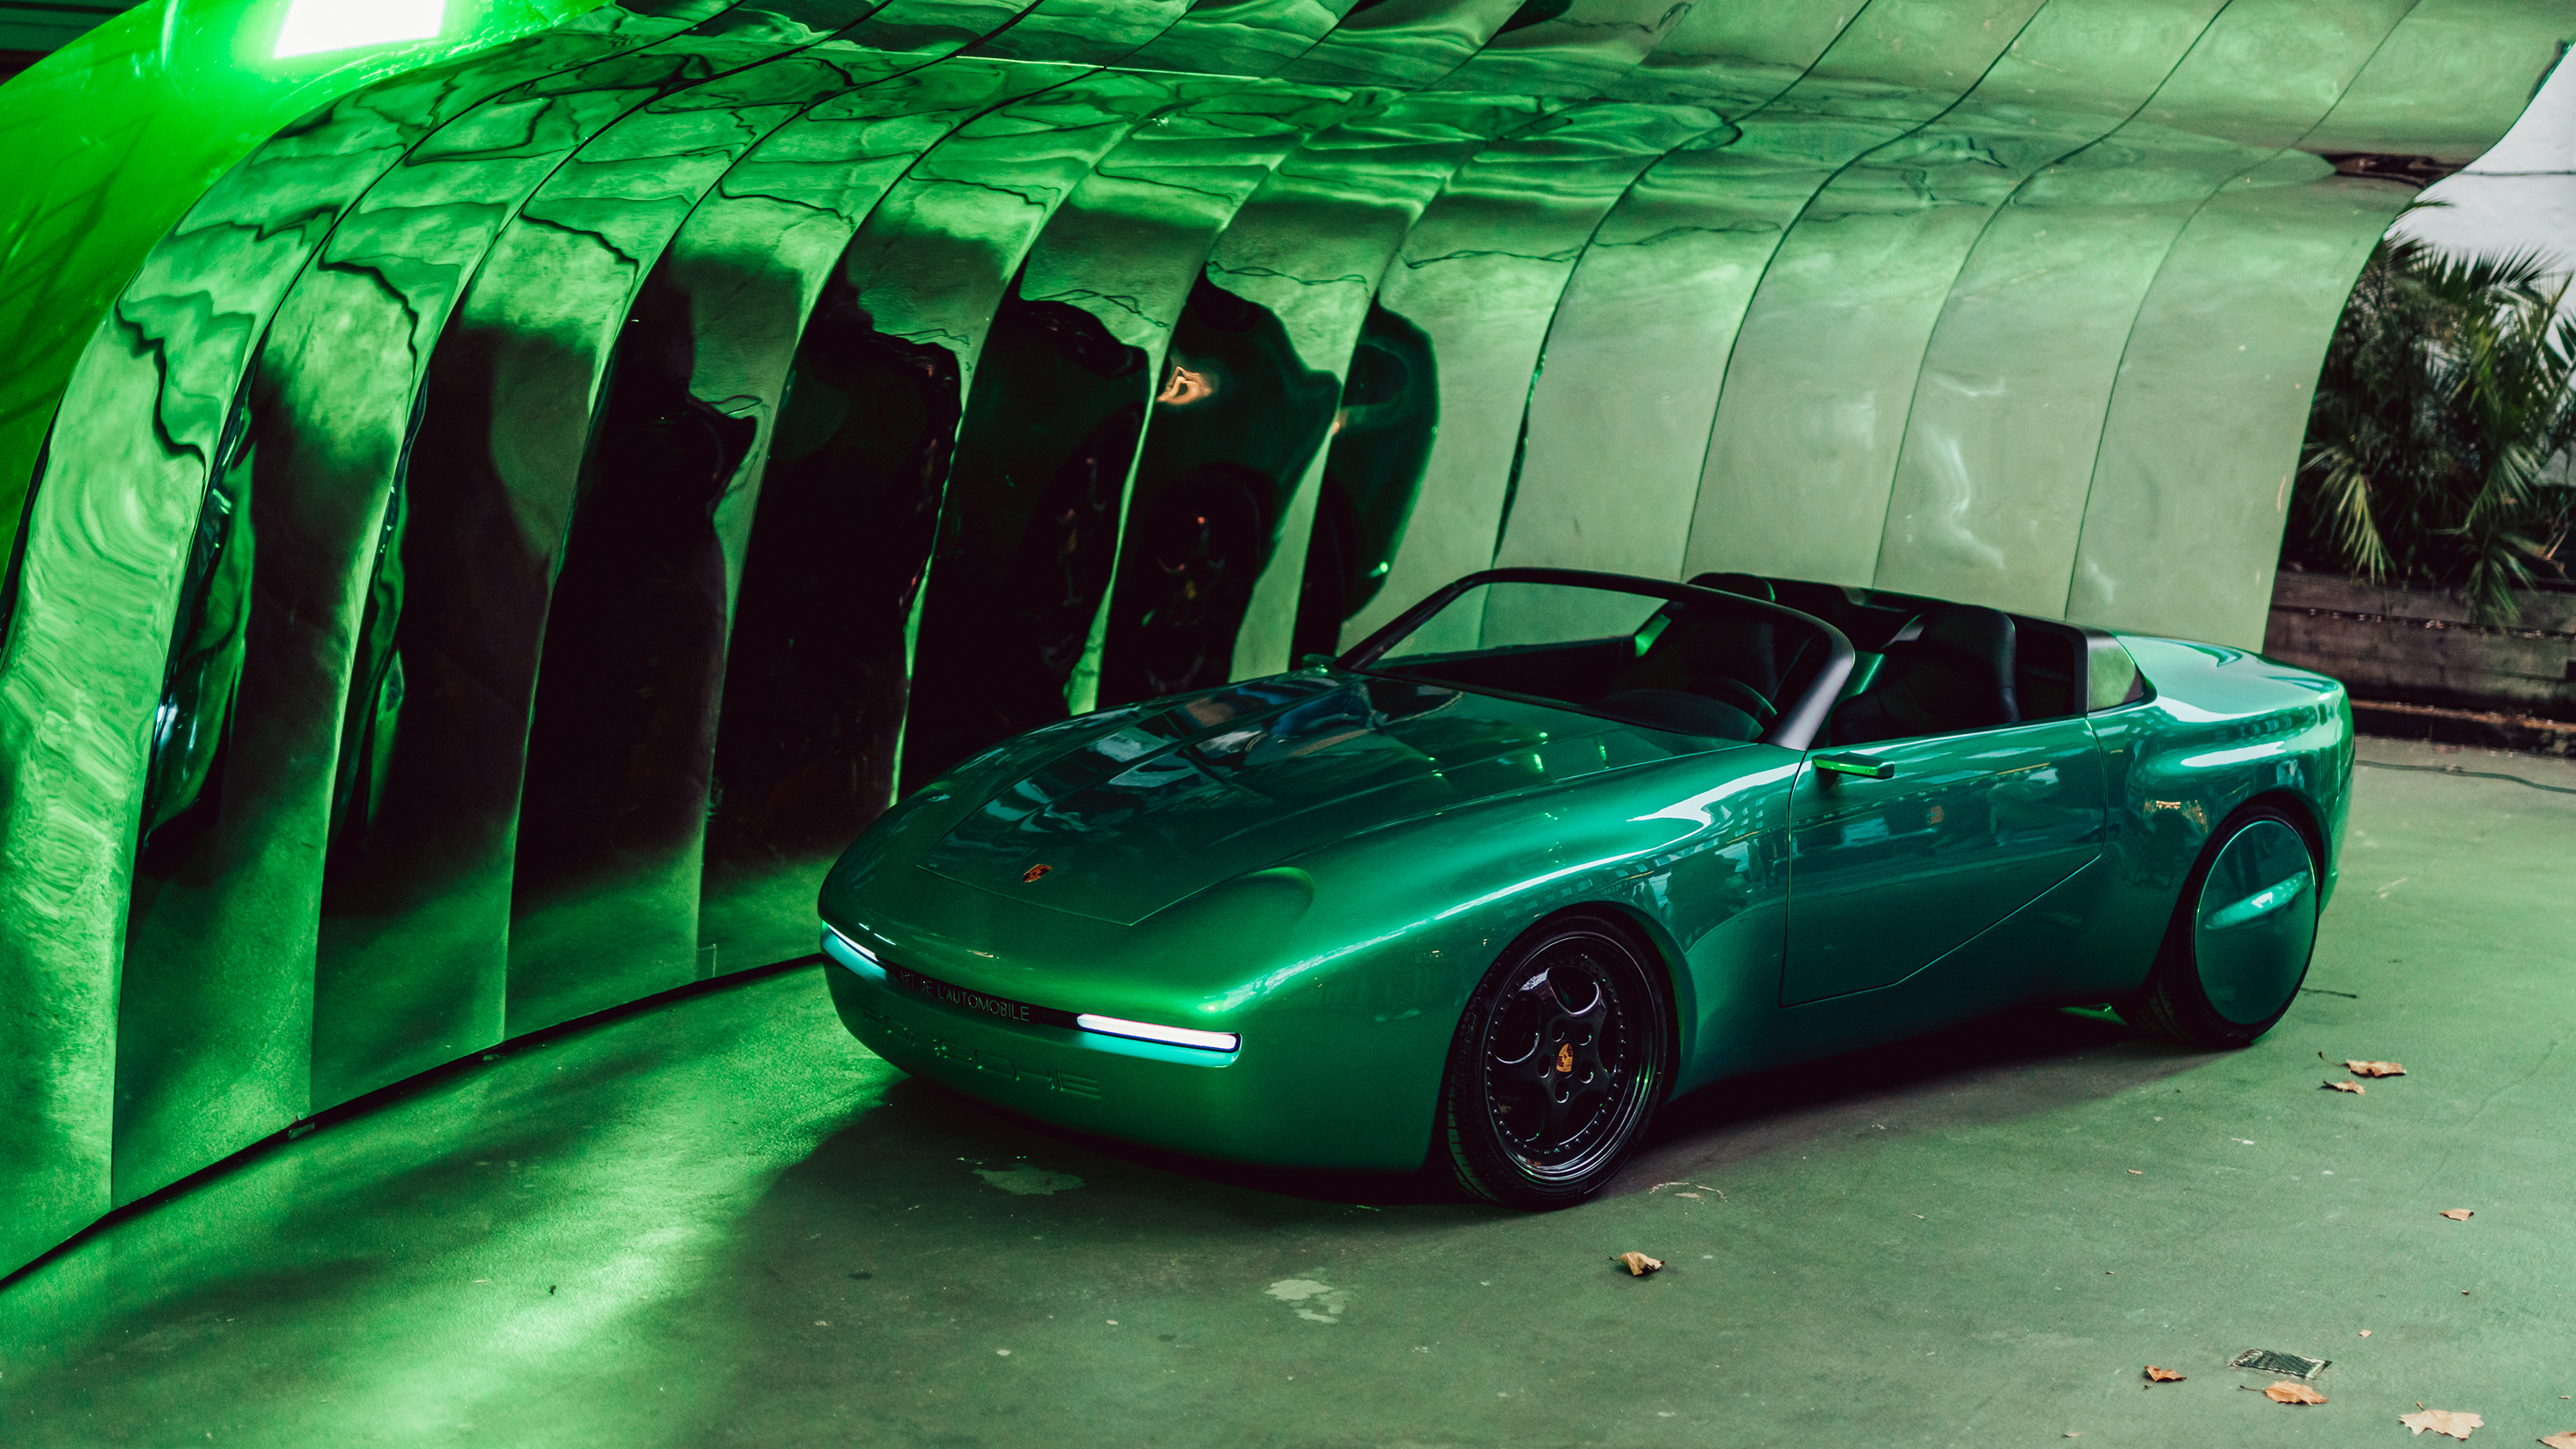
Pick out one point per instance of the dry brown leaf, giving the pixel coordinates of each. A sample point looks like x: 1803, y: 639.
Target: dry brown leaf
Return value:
x: 2355, y: 1088
x: 2375, y: 1069
x: 2458, y: 1215
x: 1639, y: 1265
x: 2157, y: 1375
x: 2286, y: 1392
x: 2442, y: 1421
x: 2560, y: 1441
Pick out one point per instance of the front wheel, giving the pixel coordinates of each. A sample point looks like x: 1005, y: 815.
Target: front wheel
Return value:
x: 2241, y: 936
x: 1556, y: 1066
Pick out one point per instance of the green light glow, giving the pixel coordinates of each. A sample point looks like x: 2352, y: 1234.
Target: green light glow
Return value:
x: 315, y: 26
x: 704, y: 302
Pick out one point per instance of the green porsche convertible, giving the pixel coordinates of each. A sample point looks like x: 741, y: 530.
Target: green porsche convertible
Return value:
x: 1553, y: 847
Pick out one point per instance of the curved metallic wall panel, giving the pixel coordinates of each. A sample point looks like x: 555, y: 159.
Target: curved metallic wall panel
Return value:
x: 115, y: 135
x: 163, y: 373
x: 530, y: 513
x: 1312, y: 246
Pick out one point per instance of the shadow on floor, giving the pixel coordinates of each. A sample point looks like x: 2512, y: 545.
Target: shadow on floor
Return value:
x: 720, y: 1221
x: 2014, y: 1064
x: 2024, y: 1061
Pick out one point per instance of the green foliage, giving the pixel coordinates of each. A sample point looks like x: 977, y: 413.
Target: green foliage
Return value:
x: 2444, y: 399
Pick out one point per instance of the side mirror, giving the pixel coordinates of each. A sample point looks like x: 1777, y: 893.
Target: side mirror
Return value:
x: 1317, y: 661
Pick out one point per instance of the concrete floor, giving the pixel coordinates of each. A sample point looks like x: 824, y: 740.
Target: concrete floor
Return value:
x: 719, y: 1221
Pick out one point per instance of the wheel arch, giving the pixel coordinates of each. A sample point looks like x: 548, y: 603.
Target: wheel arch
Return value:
x: 2303, y: 815
x: 1656, y: 943
x: 2182, y: 1011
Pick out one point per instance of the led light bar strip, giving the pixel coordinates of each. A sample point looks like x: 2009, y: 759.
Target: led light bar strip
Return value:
x: 1214, y: 1041
x: 851, y: 953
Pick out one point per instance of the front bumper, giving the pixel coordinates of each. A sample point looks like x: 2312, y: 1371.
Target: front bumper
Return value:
x: 1275, y: 1100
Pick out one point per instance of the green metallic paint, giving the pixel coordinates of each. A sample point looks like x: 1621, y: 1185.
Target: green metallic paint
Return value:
x: 1399, y: 932
x: 1894, y: 874
x: 1327, y: 862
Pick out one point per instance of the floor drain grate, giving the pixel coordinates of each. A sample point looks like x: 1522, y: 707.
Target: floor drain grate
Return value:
x: 2264, y: 1360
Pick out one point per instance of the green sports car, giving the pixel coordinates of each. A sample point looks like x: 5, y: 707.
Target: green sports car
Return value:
x: 1553, y: 847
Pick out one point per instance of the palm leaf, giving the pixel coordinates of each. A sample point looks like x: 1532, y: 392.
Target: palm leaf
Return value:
x: 2442, y: 408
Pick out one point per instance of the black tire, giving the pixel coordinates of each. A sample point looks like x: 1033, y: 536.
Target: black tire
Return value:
x: 2215, y: 989
x: 1556, y: 1066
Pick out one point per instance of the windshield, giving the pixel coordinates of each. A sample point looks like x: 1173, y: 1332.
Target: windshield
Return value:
x: 1518, y: 615
x: 1711, y: 665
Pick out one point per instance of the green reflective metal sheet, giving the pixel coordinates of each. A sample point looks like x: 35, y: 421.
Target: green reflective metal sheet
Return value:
x: 1481, y: 273
x: 480, y: 473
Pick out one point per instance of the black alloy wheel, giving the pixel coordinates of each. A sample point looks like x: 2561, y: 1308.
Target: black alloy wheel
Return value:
x: 1556, y: 1067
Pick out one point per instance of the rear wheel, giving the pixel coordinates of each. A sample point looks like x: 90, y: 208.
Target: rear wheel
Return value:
x: 2241, y: 935
x: 1556, y: 1066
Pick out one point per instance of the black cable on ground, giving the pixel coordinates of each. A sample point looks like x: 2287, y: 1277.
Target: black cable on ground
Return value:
x: 2471, y: 774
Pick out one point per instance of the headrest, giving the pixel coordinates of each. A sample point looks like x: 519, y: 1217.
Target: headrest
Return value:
x: 1699, y: 644
x: 1960, y: 668
x: 1748, y: 585
x: 1957, y: 674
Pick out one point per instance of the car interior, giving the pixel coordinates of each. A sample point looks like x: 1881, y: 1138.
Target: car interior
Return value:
x: 1700, y: 667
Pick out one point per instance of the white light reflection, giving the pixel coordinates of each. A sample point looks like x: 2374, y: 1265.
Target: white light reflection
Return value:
x: 1698, y: 811
x: 2190, y: 713
x: 2236, y: 756
x: 1489, y: 897
x: 1271, y: 981
x: 316, y: 26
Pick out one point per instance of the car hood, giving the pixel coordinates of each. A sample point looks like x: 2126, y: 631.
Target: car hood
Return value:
x: 1258, y: 773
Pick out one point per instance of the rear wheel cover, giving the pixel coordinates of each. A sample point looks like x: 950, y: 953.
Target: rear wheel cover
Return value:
x: 1556, y: 1066
x: 2241, y: 936
x: 2255, y: 922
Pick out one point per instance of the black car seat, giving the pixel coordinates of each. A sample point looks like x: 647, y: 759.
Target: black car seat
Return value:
x: 1749, y: 585
x: 1778, y: 663
x: 1693, y: 648
x: 1956, y: 674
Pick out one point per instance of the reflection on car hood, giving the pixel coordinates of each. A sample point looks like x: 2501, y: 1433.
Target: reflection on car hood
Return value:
x: 1259, y: 772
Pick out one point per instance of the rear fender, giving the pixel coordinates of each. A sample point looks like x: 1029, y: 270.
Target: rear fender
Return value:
x: 2224, y: 728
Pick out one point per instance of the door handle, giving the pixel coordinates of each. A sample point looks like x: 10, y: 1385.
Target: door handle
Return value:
x: 1868, y: 767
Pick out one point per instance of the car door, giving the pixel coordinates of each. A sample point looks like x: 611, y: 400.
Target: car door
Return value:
x: 1887, y: 875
